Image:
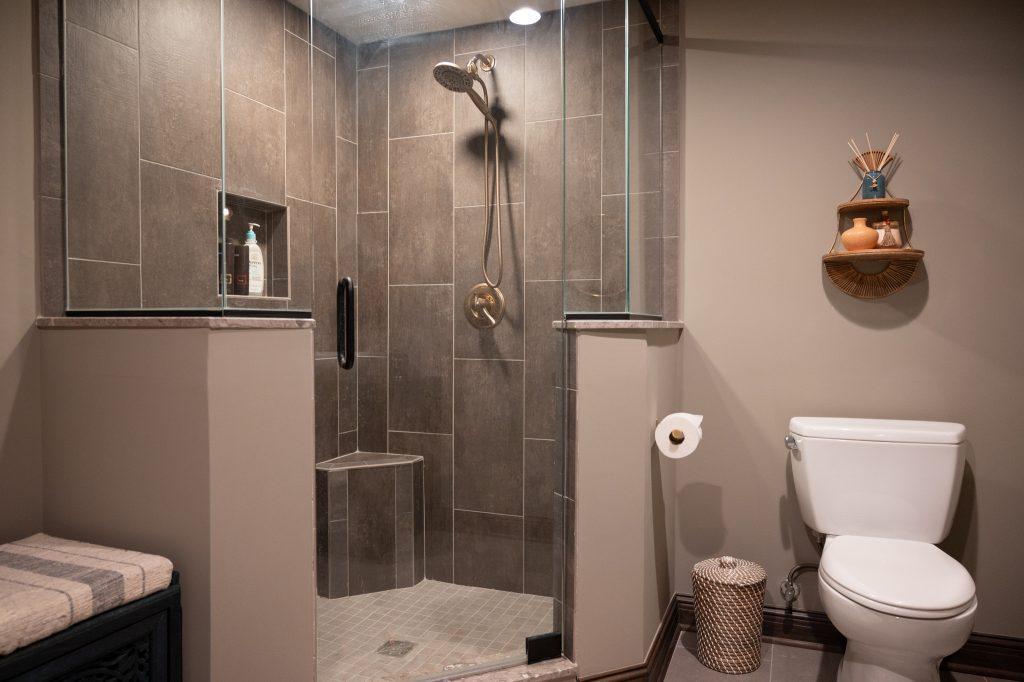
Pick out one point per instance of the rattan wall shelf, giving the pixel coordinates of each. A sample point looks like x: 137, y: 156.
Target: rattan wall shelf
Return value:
x: 874, y: 273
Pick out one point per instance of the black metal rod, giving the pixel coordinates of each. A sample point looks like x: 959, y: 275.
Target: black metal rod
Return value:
x: 346, y: 323
x: 652, y: 21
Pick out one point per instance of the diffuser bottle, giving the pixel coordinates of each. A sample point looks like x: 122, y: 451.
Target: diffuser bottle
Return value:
x: 255, y: 257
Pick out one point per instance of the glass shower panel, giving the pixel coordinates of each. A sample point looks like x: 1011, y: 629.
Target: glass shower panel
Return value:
x: 644, y: 160
x: 439, y: 542
x: 142, y: 154
x: 613, y: 230
x: 278, y: 201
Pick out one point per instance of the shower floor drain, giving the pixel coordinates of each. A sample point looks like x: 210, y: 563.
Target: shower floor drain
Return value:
x: 395, y: 648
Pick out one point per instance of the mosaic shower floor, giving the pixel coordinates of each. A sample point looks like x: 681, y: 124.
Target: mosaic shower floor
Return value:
x: 425, y: 631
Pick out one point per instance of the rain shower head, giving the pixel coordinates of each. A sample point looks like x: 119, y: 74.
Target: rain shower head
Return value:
x: 453, y: 77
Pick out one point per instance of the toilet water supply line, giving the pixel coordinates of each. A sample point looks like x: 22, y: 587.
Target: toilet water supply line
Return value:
x: 790, y: 588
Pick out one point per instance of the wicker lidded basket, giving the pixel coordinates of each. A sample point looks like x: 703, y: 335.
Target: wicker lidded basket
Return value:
x: 728, y: 598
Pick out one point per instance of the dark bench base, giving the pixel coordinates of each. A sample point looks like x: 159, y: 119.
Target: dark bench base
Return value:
x: 140, y: 641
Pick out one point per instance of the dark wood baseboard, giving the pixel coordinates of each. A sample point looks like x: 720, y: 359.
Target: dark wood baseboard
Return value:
x: 654, y: 666
x: 987, y: 655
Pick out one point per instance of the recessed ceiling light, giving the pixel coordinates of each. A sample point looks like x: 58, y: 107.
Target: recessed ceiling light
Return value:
x: 524, y: 16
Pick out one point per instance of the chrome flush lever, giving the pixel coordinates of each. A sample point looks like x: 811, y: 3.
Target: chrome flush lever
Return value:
x: 790, y: 442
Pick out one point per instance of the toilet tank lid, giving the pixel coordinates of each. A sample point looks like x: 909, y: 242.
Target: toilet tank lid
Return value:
x: 882, y: 430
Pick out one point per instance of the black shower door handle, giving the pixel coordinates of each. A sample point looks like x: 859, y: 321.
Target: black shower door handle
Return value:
x: 346, y: 323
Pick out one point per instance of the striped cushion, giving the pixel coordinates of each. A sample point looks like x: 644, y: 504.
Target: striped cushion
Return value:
x: 48, y: 584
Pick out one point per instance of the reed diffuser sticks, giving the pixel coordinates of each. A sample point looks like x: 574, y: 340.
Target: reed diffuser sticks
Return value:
x: 871, y: 161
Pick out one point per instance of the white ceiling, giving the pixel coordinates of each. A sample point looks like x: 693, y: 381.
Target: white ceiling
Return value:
x: 364, y: 21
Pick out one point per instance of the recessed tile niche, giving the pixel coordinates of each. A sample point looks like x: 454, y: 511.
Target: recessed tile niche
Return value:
x: 271, y: 236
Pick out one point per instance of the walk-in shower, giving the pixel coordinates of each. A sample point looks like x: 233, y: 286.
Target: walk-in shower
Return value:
x: 484, y: 304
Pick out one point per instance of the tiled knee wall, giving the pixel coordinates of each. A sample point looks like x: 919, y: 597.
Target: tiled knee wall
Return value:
x: 369, y: 526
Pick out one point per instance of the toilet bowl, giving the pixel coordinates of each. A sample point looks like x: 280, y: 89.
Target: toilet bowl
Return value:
x: 902, y: 606
x: 883, y: 492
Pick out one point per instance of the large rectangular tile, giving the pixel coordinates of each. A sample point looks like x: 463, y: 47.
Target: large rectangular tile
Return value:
x: 94, y: 285
x: 48, y: 37
x: 347, y: 400
x: 420, y: 361
x: 418, y: 519
x: 436, y: 451
x: 372, y: 304
x: 405, y: 530
x: 337, y: 495
x: 296, y: 20
x: 325, y: 394
x: 504, y: 341
x: 489, y: 462
x: 542, y: 472
x: 505, y: 85
x: 488, y: 37
x: 373, y: 139
x: 323, y: 180
x: 300, y: 247
x: 179, y: 238
x: 371, y: 532
x: 347, y: 181
x: 613, y: 252
x: 419, y: 106
x: 323, y: 37
x: 613, y: 86
x: 298, y: 110
x: 543, y: 345
x: 325, y: 280
x: 489, y: 550
x: 345, y: 85
x: 255, y: 136
x: 373, y: 55
x: 544, y: 186
x: 670, y: 108
x: 373, y: 404
x: 582, y: 58
x: 49, y: 162
x: 670, y: 274
x: 338, y: 557
x: 51, y: 256
x: 254, y: 50
x: 670, y: 197
x: 102, y: 133
x: 115, y: 19
x: 421, y: 210
x: 179, y: 107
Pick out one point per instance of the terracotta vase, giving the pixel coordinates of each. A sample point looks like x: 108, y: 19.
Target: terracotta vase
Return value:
x: 860, y: 237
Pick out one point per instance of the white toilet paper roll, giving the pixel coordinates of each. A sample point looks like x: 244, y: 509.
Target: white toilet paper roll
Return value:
x: 678, y: 434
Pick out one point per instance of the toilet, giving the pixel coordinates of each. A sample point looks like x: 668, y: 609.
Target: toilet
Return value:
x: 883, y: 492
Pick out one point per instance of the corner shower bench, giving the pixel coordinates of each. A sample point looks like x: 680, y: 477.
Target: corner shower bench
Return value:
x: 369, y: 523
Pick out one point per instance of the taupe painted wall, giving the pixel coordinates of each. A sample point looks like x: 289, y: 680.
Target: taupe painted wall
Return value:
x: 624, y: 505
x: 772, y: 91
x: 21, y: 470
x: 179, y: 442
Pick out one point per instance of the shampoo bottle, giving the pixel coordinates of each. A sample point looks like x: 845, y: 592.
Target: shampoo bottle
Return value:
x: 255, y: 256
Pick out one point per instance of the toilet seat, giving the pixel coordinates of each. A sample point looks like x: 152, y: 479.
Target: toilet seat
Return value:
x: 897, y: 577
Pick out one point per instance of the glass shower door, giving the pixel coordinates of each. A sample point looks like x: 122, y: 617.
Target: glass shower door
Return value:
x: 439, y: 457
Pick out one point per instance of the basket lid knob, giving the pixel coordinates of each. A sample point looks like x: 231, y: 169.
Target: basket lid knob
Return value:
x: 727, y: 562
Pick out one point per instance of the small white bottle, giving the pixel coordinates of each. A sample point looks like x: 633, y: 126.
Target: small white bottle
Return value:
x: 256, y: 269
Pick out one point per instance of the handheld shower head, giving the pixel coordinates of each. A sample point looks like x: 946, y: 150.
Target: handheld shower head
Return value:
x: 453, y: 77
x: 457, y: 79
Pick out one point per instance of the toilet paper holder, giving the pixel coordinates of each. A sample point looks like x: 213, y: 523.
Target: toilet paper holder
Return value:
x: 676, y: 437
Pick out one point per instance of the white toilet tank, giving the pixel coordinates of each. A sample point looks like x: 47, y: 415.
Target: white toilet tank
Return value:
x: 877, y: 477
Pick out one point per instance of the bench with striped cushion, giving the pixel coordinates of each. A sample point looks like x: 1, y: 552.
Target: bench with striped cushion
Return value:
x: 48, y: 584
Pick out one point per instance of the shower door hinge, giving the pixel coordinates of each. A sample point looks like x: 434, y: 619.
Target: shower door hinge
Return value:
x: 543, y: 647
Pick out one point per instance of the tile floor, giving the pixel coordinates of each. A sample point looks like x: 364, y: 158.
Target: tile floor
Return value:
x: 427, y: 630
x: 779, y: 663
